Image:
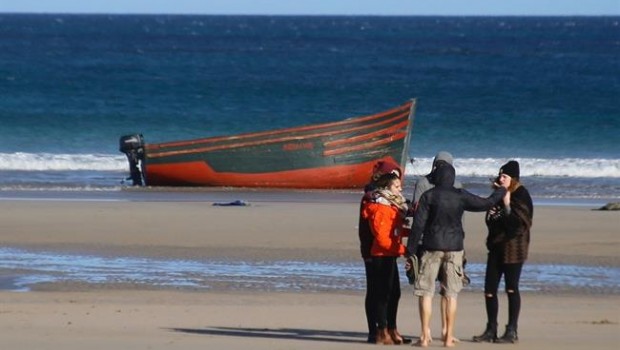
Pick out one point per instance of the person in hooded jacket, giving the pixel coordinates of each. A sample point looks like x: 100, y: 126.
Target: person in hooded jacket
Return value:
x: 386, y: 214
x: 422, y: 185
x: 427, y: 181
x: 508, y: 241
x: 366, y: 239
x: 438, y: 220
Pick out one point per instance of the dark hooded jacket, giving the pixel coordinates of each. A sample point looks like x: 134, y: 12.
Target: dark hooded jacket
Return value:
x: 438, y: 218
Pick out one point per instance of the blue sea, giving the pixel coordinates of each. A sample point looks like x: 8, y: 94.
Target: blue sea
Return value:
x: 542, y: 90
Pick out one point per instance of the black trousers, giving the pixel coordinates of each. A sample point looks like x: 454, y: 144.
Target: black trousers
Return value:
x: 368, y: 302
x: 382, y: 293
x: 496, y: 268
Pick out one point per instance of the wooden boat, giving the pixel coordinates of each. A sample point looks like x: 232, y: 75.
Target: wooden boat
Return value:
x: 336, y: 155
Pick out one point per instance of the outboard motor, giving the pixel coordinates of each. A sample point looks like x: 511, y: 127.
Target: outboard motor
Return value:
x: 133, y: 147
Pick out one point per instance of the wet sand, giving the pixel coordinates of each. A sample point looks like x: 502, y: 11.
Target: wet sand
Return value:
x: 79, y: 315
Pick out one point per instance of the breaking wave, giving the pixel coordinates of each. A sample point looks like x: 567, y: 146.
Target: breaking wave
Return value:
x: 62, y: 162
x: 562, y: 167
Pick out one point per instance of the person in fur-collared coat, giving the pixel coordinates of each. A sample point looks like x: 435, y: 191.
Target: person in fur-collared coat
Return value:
x: 508, y: 243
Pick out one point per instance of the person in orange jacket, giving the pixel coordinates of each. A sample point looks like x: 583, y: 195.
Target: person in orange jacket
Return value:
x: 366, y: 238
x: 386, y: 214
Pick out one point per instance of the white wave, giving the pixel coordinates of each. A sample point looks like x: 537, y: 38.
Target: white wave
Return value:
x: 569, y: 167
x: 562, y: 167
x: 62, y: 162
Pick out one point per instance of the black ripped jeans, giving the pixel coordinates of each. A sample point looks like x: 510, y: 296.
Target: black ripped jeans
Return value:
x: 496, y: 268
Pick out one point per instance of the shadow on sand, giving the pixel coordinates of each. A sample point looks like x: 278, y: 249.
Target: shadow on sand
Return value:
x: 280, y: 333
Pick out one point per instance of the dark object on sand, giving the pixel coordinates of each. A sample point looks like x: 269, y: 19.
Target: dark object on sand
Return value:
x: 333, y: 155
x: 235, y: 203
x: 610, y: 206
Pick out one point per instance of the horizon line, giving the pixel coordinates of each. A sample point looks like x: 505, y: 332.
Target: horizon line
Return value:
x: 299, y: 14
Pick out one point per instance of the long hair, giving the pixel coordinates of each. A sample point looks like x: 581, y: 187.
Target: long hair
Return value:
x: 514, y: 184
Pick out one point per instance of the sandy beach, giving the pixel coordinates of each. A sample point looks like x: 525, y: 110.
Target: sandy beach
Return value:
x: 81, y: 315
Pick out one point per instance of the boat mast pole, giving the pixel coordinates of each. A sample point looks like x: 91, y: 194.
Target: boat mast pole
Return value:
x: 405, y: 156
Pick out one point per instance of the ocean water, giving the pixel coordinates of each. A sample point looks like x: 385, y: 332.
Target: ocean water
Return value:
x: 542, y: 90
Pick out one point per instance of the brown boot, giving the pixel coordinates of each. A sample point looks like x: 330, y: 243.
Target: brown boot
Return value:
x: 387, y: 339
x: 383, y: 337
x: 397, y: 338
x: 379, y: 337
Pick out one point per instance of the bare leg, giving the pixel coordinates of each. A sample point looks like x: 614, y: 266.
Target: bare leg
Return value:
x: 425, y: 304
x: 444, y: 321
x: 449, y: 340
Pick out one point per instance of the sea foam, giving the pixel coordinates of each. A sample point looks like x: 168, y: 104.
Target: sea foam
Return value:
x: 62, y: 162
x: 475, y: 167
x: 561, y: 167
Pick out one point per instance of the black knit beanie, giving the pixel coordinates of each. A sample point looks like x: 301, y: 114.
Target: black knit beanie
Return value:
x: 511, y: 169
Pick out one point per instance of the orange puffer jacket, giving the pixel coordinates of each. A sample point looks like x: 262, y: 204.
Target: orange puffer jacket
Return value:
x: 387, y: 228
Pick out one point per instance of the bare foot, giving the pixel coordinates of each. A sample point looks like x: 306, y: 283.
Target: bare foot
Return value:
x: 454, y: 339
x: 423, y: 341
x: 450, y: 342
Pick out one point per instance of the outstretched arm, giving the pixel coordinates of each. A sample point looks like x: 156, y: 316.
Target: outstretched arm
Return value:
x: 477, y: 203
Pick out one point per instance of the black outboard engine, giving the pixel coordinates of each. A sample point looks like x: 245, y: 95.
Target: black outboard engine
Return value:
x: 133, y: 147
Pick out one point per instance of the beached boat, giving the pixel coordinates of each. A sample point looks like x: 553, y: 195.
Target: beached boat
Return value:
x: 336, y: 155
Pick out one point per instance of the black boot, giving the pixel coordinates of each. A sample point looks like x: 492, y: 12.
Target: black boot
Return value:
x: 509, y: 337
x: 489, y: 335
x: 372, y: 338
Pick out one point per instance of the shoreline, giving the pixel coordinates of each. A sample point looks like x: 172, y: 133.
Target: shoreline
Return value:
x: 217, y: 194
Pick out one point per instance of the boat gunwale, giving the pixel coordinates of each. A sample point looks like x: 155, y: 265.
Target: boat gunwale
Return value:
x: 393, y: 120
x: 405, y: 107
